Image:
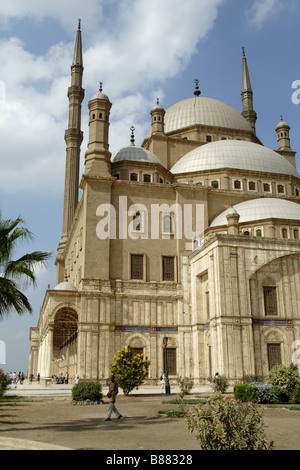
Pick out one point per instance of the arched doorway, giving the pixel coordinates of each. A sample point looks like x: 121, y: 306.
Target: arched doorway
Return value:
x: 65, y: 334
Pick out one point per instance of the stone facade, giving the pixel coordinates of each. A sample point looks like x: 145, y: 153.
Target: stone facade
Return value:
x: 226, y: 296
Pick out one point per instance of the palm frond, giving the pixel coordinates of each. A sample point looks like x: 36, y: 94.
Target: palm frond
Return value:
x: 12, y: 298
x: 23, y: 268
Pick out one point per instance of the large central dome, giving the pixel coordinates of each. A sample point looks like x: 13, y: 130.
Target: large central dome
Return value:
x: 204, y: 111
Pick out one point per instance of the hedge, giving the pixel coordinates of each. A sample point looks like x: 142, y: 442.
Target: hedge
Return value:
x: 260, y: 393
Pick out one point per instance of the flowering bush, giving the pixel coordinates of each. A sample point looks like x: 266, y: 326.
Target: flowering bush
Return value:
x: 260, y: 393
x: 228, y: 424
x: 4, y: 382
x: 129, y: 370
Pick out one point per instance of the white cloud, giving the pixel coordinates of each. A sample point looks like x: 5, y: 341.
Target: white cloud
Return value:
x: 134, y: 51
x: 262, y: 10
x: 66, y: 12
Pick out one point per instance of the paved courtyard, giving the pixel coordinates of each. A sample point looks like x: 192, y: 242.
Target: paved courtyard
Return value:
x: 49, y: 418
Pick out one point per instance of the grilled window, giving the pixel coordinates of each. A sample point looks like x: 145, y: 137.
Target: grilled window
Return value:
x: 137, y: 271
x: 171, y: 359
x: 137, y: 351
x: 270, y: 300
x: 274, y: 354
x: 168, y: 268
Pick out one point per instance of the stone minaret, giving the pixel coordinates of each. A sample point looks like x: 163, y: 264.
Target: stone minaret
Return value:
x: 73, y: 139
x: 97, y: 155
x: 247, y: 95
x: 284, y: 144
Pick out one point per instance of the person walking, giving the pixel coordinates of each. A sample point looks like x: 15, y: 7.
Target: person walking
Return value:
x: 163, y: 382
x: 112, y: 393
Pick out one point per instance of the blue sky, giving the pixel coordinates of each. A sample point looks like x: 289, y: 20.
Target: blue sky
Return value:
x: 141, y: 50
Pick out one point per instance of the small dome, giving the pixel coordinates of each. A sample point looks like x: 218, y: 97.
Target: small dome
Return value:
x: 133, y: 153
x: 66, y: 285
x: 237, y: 154
x: 260, y: 209
x: 100, y: 96
x: 282, y: 124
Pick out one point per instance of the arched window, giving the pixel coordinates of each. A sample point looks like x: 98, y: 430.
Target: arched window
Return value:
x: 280, y: 189
x: 133, y: 177
x: 237, y: 184
x: 252, y: 186
x: 267, y: 187
x: 147, y: 178
x: 167, y: 223
x: 215, y: 184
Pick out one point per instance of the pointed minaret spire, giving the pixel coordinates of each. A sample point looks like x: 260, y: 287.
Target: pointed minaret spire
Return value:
x: 73, y: 139
x: 77, y: 57
x: 247, y: 95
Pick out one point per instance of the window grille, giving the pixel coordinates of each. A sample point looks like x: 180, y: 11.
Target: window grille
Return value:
x: 270, y: 300
x: 274, y: 354
x: 168, y: 268
x: 137, y: 351
x: 171, y: 359
x: 137, y: 266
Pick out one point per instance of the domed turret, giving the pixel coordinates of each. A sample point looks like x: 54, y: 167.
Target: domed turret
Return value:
x: 157, y: 114
x: 97, y: 157
x: 284, y: 144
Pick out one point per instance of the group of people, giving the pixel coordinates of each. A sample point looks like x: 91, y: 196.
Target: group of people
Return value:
x: 60, y: 378
x: 16, y: 378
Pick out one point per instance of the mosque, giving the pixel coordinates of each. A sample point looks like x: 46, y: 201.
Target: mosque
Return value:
x: 192, y: 236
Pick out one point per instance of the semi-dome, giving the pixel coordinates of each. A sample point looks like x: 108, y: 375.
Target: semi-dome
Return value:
x: 66, y: 285
x: 133, y: 153
x: 260, y: 209
x: 204, y: 111
x: 235, y: 154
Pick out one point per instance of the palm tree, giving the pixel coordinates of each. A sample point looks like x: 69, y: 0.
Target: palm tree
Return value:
x: 13, y: 272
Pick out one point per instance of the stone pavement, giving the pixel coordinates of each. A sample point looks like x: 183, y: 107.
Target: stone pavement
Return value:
x: 34, y: 389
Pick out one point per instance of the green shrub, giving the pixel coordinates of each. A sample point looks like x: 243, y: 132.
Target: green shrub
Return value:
x: 219, y: 384
x: 244, y: 392
x: 295, y: 395
x: 87, y: 390
x: 4, y: 383
x: 226, y: 424
x: 185, y: 386
x: 284, y: 376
